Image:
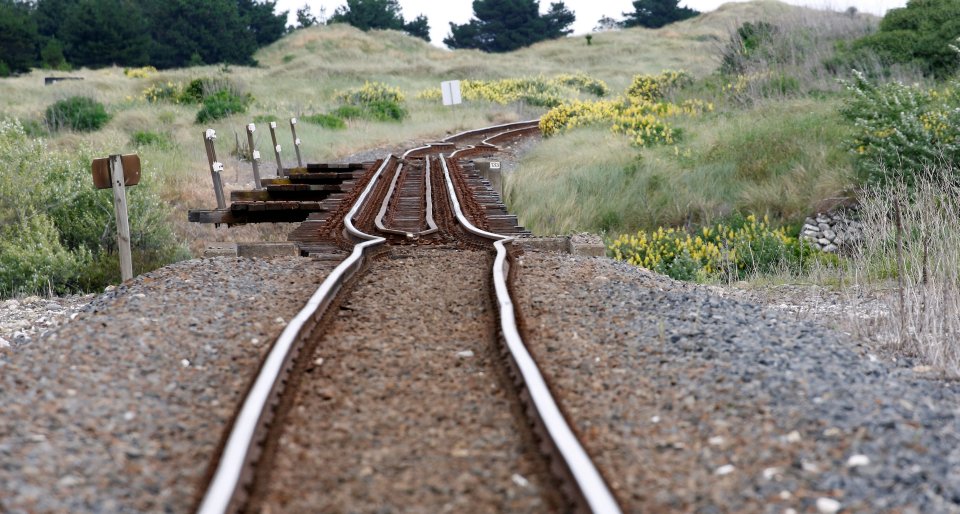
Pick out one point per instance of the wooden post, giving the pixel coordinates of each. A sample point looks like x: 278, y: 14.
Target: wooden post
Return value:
x: 276, y: 147
x: 254, y: 156
x: 215, y: 167
x: 296, y: 140
x: 123, y: 223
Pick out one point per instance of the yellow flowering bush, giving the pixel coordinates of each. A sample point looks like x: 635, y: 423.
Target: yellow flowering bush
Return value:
x: 163, y: 92
x: 140, y: 73
x: 538, y: 91
x: 652, y: 88
x: 725, y: 250
x: 374, y: 101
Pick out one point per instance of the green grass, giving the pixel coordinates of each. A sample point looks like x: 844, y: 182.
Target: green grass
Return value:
x: 782, y: 159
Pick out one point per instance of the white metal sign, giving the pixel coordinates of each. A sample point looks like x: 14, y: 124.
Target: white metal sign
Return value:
x: 494, y: 165
x: 451, y: 92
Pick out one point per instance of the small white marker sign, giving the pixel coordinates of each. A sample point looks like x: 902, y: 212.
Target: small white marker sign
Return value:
x: 451, y: 92
x: 494, y: 165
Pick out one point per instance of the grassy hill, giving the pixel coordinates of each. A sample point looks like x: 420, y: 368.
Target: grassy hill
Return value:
x: 302, y: 74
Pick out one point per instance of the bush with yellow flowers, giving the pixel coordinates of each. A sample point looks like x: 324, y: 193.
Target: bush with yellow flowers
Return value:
x: 163, y: 92
x: 538, y: 91
x: 374, y: 100
x: 640, y: 115
x: 651, y: 88
x: 140, y: 73
x: 733, y: 250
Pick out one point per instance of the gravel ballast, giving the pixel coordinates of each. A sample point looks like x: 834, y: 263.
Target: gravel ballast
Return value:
x: 121, y: 409
x: 691, y: 402
x: 406, y: 406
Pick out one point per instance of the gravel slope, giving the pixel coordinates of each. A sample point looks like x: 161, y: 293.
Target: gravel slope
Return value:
x: 121, y: 409
x: 694, y: 403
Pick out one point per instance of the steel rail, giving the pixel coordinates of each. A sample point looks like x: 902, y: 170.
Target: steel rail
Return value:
x: 431, y: 223
x: 589, y: 481
x: 221, y: 494
x: 474, y: 132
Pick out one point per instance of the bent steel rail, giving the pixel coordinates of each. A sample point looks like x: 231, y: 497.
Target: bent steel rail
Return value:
x: 431, y: 223
x: 240, y: 450
x: 591, y: 485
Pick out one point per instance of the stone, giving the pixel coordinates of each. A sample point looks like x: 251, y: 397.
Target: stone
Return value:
x: 587, y: 245
x: 828, y: 506
x: 466, y: 354
x: 811, y: 227
x: 824, y: 241
x: 829, y: 234
x: 811, y: 234
x: 823, y: 227
x: 544, y: 244
x: 4, y: 343
x: 831, y: 248
x: 724, y: 470
x: 858, y: 460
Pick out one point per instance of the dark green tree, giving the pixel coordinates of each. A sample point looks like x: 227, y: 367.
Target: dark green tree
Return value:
x: 419, y: 27
x: 506, y: 25
x: 211, y: 29
x: 262, y: 20
x: 370, y: 14
x: 654, y: 14
x: 305, y: 18
x: 18, y: 37
x: 920, y: 33
x: 558, y: 20
x: 105, y: 32
x: 50, y: 15
x: 380, y: 14
x: 51, y: 55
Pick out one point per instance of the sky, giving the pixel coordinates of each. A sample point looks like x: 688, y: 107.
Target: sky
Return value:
x: 441, y: 12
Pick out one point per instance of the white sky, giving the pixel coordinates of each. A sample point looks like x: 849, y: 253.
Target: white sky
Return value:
x: 441, y: 12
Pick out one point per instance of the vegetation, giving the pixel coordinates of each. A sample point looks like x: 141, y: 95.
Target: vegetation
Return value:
x: 538, y: 91
x: 97, y: 33
x: 919, y: 34
x: 506, y: 25
x: 380, y: 14
x: 374, y: 101
x: 78, y: 113
x: 654, y: 14
x: 58, y: 232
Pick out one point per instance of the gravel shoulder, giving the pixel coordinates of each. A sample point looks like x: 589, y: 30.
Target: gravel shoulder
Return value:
x: 691, y: 402
x: 121, y: 409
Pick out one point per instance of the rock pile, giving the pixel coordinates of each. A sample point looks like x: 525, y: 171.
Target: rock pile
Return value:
x: 833, y: 232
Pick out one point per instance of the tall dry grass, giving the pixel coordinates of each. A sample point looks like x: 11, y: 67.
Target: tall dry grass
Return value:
x: 910, y: 259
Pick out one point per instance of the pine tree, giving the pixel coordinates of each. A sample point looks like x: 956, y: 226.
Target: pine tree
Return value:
x: 419, y: 27
x: 380, y: 14
x: 654, y: 14
x: 18, y: 37
x: 211, y: 29
x: 105, y: 32
x: 506, y: 25
x: 261, y: 18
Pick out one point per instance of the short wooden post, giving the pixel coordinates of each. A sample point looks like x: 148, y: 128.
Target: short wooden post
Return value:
x: 216, y: 167
x: 254, y: 156
x: 296, y: 141
x: 276, y: 147
x: 123, y: 223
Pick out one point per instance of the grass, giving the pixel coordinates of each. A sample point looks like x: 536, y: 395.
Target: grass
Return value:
x: 781, y: 160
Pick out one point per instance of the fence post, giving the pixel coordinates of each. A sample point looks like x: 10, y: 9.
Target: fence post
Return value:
x: 296, y: 141
x: 254, y: 156
x: 216, y: 167
x: 120, y: 210
x: 276, y: 147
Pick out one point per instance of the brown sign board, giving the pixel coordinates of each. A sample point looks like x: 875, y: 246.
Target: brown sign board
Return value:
x: 131, y: 171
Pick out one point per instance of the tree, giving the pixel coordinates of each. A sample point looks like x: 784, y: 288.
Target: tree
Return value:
x: 558, y: 21
x: 506, y: 25
x: 654, y: 14
x: 105, y: 32
x: 18, y: 37
x: 305, y: 18
x: 370, y: 14
x: 606, y: 24
x: 211, y: 29
x: 262, y: 20
x: 380, y: 14
x: 419, y: 27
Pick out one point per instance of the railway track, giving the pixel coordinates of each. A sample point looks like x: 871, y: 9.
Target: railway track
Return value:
x: 412, y: 229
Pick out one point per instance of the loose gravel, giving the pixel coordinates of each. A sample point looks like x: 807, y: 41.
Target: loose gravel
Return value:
x: 407, y: 407
x: 694, y: 403
x: 121, y: 409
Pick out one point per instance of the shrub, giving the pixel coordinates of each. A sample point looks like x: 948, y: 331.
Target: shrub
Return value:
x: 325, y: 121
x: 193, y: 92
x: 265, y: 118
x: 349, y: 112
x: 374, y: 101
x: 163, y: 92
x: 78, y: 113
x: 733, y: 250
x: 222, y: 104
x: 903, y: 130
x: 537, y: 91
x: 148, y: 138
x: 652, y: 88
x: 140, y: 73
x: 4, y: 69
